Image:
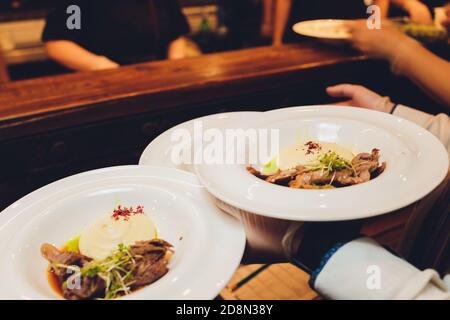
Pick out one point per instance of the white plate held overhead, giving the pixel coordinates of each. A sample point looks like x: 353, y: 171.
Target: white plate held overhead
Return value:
x: 208, y: 243
x: 326, y: 29
x: 417, y: 163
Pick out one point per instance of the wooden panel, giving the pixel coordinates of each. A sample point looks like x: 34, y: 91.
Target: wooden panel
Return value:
x: 31, y: 106
x: 4, y: 77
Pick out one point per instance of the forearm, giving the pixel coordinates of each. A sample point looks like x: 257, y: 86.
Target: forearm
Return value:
x: 362, y: 269
x: 384, y: 7
x: 72, y: 56
x: 438, y: 125
x: 268, y: 11
x: 427, y: 70
x: 282, y: 13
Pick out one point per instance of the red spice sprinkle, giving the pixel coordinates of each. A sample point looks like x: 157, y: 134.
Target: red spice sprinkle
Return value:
x: 126, y: 213
x: 312, y: 147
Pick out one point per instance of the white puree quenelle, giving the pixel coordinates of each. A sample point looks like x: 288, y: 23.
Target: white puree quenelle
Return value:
x: 99, y: 239
x: 302, y: 154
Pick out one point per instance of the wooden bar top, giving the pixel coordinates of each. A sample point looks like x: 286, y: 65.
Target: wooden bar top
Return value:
x: 30, y: 106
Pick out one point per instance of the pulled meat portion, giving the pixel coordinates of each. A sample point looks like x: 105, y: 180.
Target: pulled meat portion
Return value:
x: 150, y: 261
x: 79, y: 279
x: 363, y: 167
x: 65, y: 265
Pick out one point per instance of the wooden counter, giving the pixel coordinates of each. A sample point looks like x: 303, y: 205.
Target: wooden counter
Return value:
x: 39, y: 105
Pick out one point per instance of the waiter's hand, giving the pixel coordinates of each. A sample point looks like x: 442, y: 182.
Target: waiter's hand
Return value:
x: 417, y: 11
x: 182, y: 48
x: 74, y: 57
x: 103, y: 63
x: 359, y: 96
x: 377, y: 43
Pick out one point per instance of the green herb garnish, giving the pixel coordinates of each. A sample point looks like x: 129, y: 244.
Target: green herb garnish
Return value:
x: 329, y: 163
x: 73, y: 244
x: 116, y: 270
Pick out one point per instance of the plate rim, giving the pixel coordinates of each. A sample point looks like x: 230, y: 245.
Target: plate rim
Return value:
x: 296, y: 25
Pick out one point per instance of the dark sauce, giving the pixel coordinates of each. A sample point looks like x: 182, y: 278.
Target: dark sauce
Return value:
x: 54, y: 282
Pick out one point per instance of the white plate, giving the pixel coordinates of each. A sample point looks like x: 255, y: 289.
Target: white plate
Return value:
x: 416, y: 163
x: 208, y: 243
x: 326, y: 29
x: 159, y: 151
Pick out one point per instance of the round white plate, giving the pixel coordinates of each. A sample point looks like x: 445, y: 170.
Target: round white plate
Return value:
x: 208, y: 243
x: 325, y: 29
x: 417, y: 162
x: 159, y: 151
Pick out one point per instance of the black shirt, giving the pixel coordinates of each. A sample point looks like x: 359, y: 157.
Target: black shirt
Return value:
x: 125, y: 31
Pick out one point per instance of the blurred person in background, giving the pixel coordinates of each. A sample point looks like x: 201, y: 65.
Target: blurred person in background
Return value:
x: 419, y: 11
x: 116, y: 32
x: 268, y: 9
x: 407, y: 57
x: 415, y: 9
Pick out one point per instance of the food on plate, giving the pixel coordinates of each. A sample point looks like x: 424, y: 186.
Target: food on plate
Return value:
x: 424, y: 33
x: 114, y: 256
x: 320, y: 165
x: 125, y: 226
x: 338, y: 29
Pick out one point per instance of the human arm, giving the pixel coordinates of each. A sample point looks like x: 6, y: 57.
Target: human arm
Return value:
x: 358, y: 96
x: 407, y: 57
x: 362, y: 269
x: 282, y: 13
x: 182, y: 48
x: 337, y: 257
x: 66, y: 46
x: 417, y: 11
x: 384, y: 6
x: 75, y: 57
x: 267, y: 18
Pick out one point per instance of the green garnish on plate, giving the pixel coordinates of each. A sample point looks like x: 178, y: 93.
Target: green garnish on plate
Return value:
x: 73, y: 244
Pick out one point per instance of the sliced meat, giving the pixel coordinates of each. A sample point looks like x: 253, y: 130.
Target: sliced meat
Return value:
x: 365, y: 166
x: 150, y: 265
x: 366, y: 161
x: 73, y: 285
x: 57, y: 257
x: 379, y: 170
x: 155, y: 246
x: 282, y: 177
x: 87, y: 288
x: 347, y: 177
x: 310, y: 180
x: 256, y: 173
x: 148, y: 271
x: 150, y: 262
